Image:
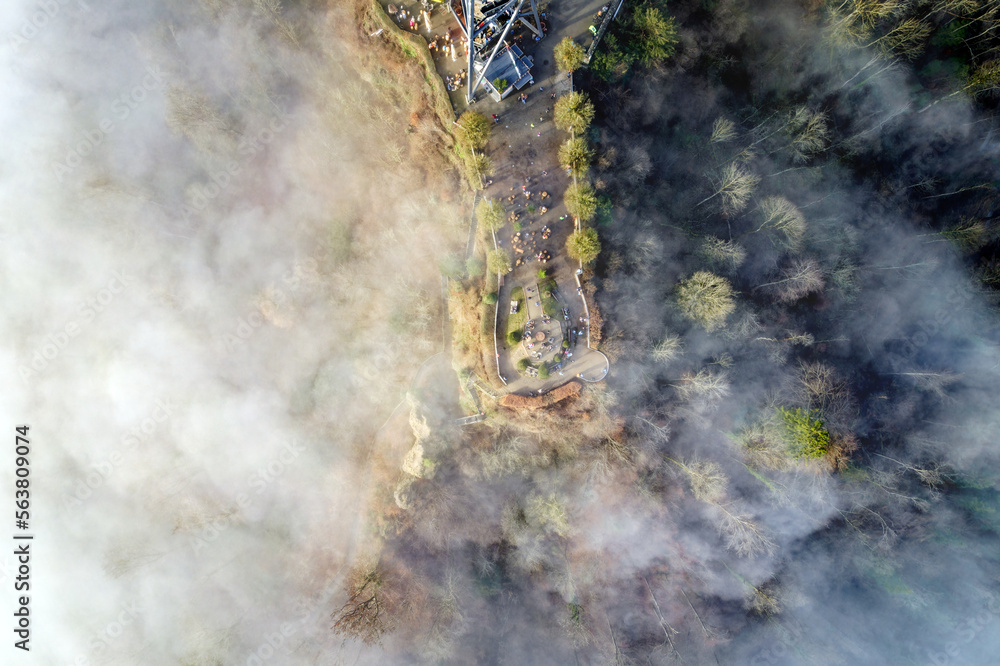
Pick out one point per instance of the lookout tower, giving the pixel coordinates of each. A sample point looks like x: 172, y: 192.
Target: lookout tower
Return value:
x: 494, y: 63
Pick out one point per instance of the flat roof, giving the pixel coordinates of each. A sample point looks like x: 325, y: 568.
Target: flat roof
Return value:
x: 510, y: 64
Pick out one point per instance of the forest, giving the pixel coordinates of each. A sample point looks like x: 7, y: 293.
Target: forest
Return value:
x: 791, y: 462
x: 241, y: 322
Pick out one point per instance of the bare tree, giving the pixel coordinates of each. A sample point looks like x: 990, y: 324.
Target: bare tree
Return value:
x: 968, y: 235
x: 781, y: 215
x: 705, y: 298
x: 820, y: 388
x: 799, y: 279
x: 706, y: 383
x: 745, y: 324
x: 742, y: 535
x: 935, y: 382
x: 734, y: 184
x: 779, y: 348
x: 809, y: 132
x: 763, y: 446
x: 722, y: 253
x: 364, y: 615
x: 931, y: 475
x: 668, y: 631
x: 668, y: 348
x: 854, y: 21
x: 193, y: 114
x: 763, y: 600
x: 708, y: 482
x: 906, y: 39
x: 802, y: 339
x: 722, y: 130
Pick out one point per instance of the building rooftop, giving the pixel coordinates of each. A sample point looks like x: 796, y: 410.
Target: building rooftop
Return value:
x: 510, y: 65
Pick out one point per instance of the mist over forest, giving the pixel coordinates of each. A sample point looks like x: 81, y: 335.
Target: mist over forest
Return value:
x: 228, y: 242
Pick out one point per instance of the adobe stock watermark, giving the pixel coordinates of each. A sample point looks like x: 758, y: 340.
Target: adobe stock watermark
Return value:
x: 966, y: 632
x: 928, y: 327
x: 304, y: 272
x: 54, y: 343
x: 101, y: 471
x: 121, y: 108
x: 7, y: 570
x: 780, y: 651
x: 272, y: 641
x: 44, y: 13
x: 201, y: 195
x: 257, y: 481
x: 102, y: 641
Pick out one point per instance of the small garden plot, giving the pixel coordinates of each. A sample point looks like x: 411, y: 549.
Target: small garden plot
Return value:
x: 516, y: 320
x: 550, y: 306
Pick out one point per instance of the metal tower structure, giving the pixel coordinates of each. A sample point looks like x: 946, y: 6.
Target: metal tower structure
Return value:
x: 486, y: 25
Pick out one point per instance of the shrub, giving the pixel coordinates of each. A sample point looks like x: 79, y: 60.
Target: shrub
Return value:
x: 451, y: 265
x: 489, y: 212
x: 654, y: 36
x: 584, y: 245
x: 498, y: 261
x: 490, y: 298
x: 542, y: 274
x: 522, y: 365
x: 573, y: 112
x: 569, y: 55
x: 565, y: 344
x: 543, y: 371
x: 805, y: 435
x: 477, y: 167
x: 513, y: 338
x: 576, y: 155
x: 581, y: 201
x: 646, y: 36
x: 611, y: 62
x: 475, y: 129
x: 475, y: 266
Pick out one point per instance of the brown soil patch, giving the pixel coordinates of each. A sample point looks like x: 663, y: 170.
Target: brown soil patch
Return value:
x: 570, y: 390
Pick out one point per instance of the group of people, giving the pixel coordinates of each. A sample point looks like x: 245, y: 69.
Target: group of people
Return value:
x: 400, y: 14
x: 456, y: 81
x: 443, y: 42
x: 523, y: 240
x: 547, y: 346
x: 409, y: 19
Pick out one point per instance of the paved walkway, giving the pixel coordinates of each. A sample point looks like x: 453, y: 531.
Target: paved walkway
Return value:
x: 524, y: 148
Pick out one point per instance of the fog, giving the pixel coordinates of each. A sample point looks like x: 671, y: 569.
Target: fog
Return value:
x: 201, y: 269
x: 223, y: 323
